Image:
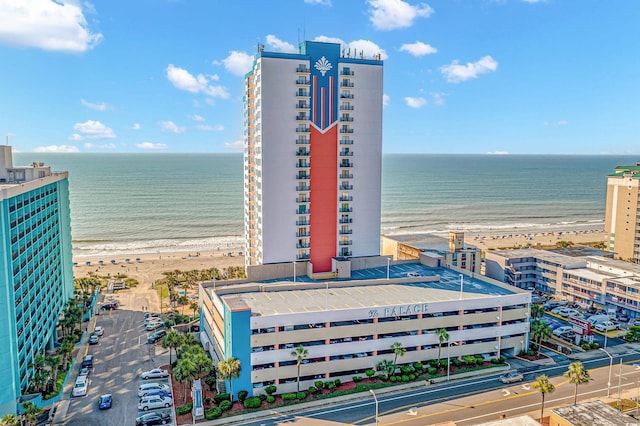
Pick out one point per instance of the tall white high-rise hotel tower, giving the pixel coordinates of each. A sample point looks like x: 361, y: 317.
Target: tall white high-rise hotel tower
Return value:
x: 312, y: 156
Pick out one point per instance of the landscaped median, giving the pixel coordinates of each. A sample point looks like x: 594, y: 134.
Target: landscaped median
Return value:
x: 334, y: 392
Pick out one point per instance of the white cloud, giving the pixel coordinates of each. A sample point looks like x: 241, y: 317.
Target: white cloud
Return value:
x: 93, y: 130
x: 235, y: 145
x: 556, y: 123
x: 150, y: 145
x: 238, y: 63
x: 498, y: 153
x: 455, y: 73
x: 437, y: 98
x: 184, y: 80
x: 418, y: 48
x: 210, y: 128
x: 198, y: 118
x: 171, y: 127
x: 45, y: 24
x: 393, y: 14
x: 385, y: 99
x: 75, y: 137
x: 277, y: 45
x: 89, y: 145
x: 98, y: 107
x: 56, y: 148
x: 322, y: 2
x: 136, y: 126
x: 415, y: 102
x: 353, y: 49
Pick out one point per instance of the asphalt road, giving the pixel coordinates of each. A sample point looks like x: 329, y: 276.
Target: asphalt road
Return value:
x: 472, y: 401
x: 119, y: 359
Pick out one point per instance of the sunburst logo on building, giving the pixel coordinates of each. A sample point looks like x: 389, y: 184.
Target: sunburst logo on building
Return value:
x: 323, y: 65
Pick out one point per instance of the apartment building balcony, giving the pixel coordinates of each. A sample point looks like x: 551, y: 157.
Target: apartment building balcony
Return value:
x: 302, y: 257
x: 346, y: 84
x: 302, y: 211
x: 303, y: 245
x: 303, y: 188
x: 302, y: 94
x: 344, y: 198
x: 303, y: 141
x: 345, y: 220
x: 304, y: 165
x: 346, y: 107
x: 346, y: 164
x: 303, y: 70
x: 346, y: 254
x: 346, y: 242
x: 346, y: 176
x: 345, y: 231
x: 346, y: 153
x: 304, y: 129
x: 303, y: 176
x: 347, y: 73
x: 345, y: 209
x: 302, y: 81
x: 302, y: 105
x: 343, y: 130
x: 302, y: 200
x: 346, y: 119
x: 346, y: 141
x: 302, y: 117
x: 346, y: 187
x: 302, y: 153
x: 302, y: 222
x: 346, y: 95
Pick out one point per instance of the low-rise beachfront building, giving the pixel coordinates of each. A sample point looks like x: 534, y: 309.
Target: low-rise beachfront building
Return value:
x: 435, y: 250
x: 597, y: 281
x: 36, y: 277
x: 348, y: 326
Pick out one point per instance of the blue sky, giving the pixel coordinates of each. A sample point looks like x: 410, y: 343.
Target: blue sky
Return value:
x: 473, y: 76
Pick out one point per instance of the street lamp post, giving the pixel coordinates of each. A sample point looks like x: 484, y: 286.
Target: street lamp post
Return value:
x: 388, y: 264
x: 619, y: 385
x: 610, y: 366
x: 376, y: 400
x: 449, y: 358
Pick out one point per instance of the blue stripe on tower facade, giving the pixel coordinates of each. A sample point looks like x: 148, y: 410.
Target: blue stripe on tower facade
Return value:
x: 323, y: 59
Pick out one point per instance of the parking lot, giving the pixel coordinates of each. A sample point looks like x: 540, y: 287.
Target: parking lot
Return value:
x: 121, y: 355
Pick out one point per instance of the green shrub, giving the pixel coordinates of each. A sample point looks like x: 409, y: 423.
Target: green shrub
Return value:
x: 212, y: 413
x: 357, y: 378
x: 469, y: 359
x: 288, y: 396
x: 444, y: 363
x: 456, y: 362
x: 271, y: 389
x: 586, y: 346
x: 432, y: 370
x: 337, y: 382
x: 433, y: 363
x: 207, y: 400
x: 370, y: 373
x: 313, y: 389
x: 271, y: 399
x: 221, y: 397
x: 412, y: 376
x: 254, y: 402
x: 242, y: 395
x: 330, y: 385
x: 301, y: 395
x: 319, y: 384
x: 530, y: 352
x: 262, y: 397
x: 225, y: 405
x: 595, y: 345
x: 392, y: 378
x: 184, y: 409
x: 405, y: 378
x: 406, y: 369
x: 418, y: 366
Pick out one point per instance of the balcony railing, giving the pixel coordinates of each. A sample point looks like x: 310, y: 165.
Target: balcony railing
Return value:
x: 303, y: 165
x: 348, y: 84
x: 303, y: 246
x: 302, y: 257
x: 299, y: 211
x: 345, y: 209
x: 302, y: 81
x: 301, y: 118
x: 346, y: 130
x: 346, y: 153
x: 346, y: 119
x: 346, y: 242
x: 346, y: 107
x: 302, y: 223
x: 302, y: 234
x: 346, y: 176
x: 345, y: 231
x: 304, y: 141
x: 303, y: 129
x: 302, y: 200
x: 347, y: 73
x: 343, y: 198
x: 302, y: 152
x: 346, y: 95
x: 303, y: 94
x: 302, y: 105
x: 346, y: 187
x: 303, y: 70
x: 346, y: 253
x: 303, y: 176
x: 303, y: 188
x: 345, y: 164
x: 346, y: 220
x: 346, y: 141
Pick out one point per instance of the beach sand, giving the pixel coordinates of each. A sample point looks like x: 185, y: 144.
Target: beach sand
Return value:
x: 533, y: 239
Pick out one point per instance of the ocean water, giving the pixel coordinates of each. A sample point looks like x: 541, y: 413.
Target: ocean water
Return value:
x: 156, y: 203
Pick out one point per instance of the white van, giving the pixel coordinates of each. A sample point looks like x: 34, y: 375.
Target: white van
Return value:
x: 155, y: 401
x: 595, y: 319
x: 80, y: 387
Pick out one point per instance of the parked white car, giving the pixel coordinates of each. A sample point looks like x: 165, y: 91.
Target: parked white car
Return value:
x: 155, y: 401
x: 149, y: 387
x: 561, y: 330
x: 153, y: 326
x: 156, y: 373
x: 81, y: 385
x: 606, y: 326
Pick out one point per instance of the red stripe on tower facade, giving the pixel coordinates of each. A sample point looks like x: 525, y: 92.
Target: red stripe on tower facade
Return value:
x: 324, y: 198
x: 315, y: 99
x: 331, y: 100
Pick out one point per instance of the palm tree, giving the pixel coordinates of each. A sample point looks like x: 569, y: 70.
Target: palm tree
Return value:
x: 544, y: 386
x: 173, y: 340
x: 540, y: 331
x: 387, y: 367
x: 229, y: 369
x: 31, y: 411
x: 64, y: 352
x: 53, y: 362
x: 10, y: 420
x: 398, y: 350
x: 578, y: 376
x: 185, y: 371
x: 537, y: 311
x: 194, y: 307
x: 301, y: 354
x: 443, y: 337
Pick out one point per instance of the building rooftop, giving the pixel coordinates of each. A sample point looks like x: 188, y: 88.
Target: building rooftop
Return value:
x: 426, y: 242
x: 592, y: 413
x: 568, y: 262
x: 512, y: 421
x: 339, y: 295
